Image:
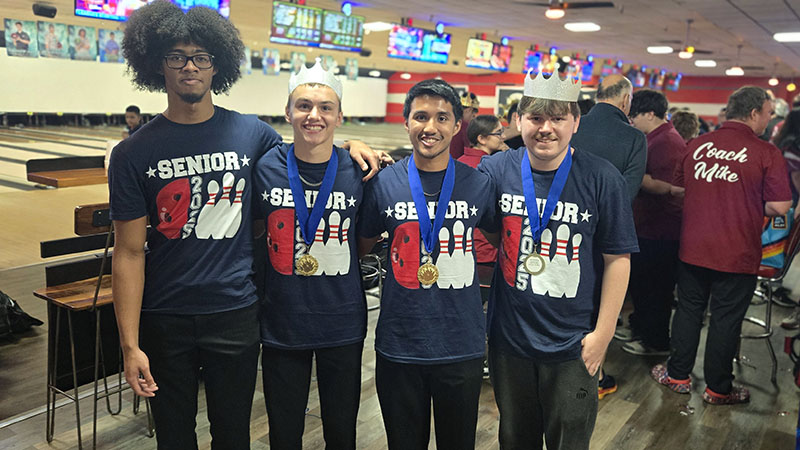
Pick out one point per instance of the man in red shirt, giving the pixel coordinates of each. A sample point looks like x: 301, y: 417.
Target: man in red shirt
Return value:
x: 658, y: 225
x: 731, y: 179
x: 485, y: 134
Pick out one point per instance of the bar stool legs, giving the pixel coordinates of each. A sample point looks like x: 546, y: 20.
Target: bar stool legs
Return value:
x: 766, y: 325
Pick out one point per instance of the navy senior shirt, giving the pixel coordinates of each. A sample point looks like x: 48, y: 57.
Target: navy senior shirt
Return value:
x: 191, y: 182
x: 438, y: 323
x: 328, y: 308
x: 545, y: 316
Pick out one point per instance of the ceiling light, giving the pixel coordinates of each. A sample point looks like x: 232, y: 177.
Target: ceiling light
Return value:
x: 685, y: 55
x: 405, y: 76
x: 773, y: 81
x: 705, y: 63
x: 377, y: 26
x: 347, y: 8
x: 566, y: 58
x: 582, y: 27
x: 374, y: 73
x: 787, y: 37
x: 734, y: 71
x: 554, y: 13
x: 659, y: 50
x: 286, y: 65
x: 791, y: 87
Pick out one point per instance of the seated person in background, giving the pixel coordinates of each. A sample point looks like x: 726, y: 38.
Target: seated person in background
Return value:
x: 133, y: 120
x: 686, y: 124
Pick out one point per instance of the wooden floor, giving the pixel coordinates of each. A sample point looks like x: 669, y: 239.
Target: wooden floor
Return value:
x: 641, y: 415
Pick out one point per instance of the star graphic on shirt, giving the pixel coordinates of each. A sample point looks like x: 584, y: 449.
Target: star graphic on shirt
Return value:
x: 473, y: 210
x: 265, y: 196
x: 389, y: 211
x: 151, y: 172
x: 351, y: 201
x: 585, y: 216
x: 245, y: 161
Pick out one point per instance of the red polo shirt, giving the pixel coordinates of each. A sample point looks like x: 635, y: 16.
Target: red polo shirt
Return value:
x: 728, y: 174
x: 484, y: 251
x: 659, y: 216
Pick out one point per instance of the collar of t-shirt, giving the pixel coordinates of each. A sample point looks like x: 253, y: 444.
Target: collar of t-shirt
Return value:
x: 311, y: 172
x: 431, y: 183
x: 738, y: 126
x: 658, y: 131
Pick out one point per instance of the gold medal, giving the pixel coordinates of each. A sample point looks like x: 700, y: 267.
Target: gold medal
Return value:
x: 534, y: 264
x: 427, y: 274
x: 306, y: 265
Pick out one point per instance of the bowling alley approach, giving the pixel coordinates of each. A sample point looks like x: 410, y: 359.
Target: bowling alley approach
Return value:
x: 323, y: 224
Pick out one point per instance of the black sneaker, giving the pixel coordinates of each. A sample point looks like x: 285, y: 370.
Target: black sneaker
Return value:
x: 608, y: 385
x: 781, y: 298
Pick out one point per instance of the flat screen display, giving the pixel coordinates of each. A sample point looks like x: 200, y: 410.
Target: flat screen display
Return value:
x: 672, y: 82
x: 418, y: 44
x: 296, y: 24
x: 122, y: 9
x: 488, y: 55
x: 657, y: 78
x: 587, y: 70
x: 637, y: 77
x: 341, y: 32
x: 532, y: 61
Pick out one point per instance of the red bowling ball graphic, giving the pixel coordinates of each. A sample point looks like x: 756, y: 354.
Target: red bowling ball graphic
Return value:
x: 509, y: 249
x: 405, y: 255
x: 173, y: 202
x: 280, y: 240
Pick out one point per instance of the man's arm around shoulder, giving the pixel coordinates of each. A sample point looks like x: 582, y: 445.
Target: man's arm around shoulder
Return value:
x: 127, y: 277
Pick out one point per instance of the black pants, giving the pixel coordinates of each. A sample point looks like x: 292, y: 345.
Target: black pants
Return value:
x: 220, y: 348
x: 555, y: 402
x: 730, y: 295
x: 287, y: 376
x: 405, y: 392
x: 653, y: 276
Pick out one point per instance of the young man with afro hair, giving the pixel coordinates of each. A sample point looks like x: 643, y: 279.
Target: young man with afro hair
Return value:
x: 184, y: 293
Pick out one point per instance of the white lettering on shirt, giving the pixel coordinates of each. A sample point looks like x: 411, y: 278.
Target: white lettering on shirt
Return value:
x: 705, y: 170
x: 197, y: 165
x: 282, y: 197
x: 456, y: 209
x: 515, y: 205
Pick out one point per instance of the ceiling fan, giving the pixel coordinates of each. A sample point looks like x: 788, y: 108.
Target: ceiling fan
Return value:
x: 556, y: 9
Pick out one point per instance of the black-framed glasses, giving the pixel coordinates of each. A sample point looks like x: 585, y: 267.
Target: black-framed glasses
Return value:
x: 202, y: 61
x: 497, y: 133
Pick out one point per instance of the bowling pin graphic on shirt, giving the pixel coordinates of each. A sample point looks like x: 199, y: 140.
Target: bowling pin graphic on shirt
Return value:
x: 221, y: 219
x: 456, y: 269
x: 333, y: 253
x: 562, y: 275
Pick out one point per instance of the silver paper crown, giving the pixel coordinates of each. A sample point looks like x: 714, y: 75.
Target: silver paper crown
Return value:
x: 316, y: 75
x: 552, y: 88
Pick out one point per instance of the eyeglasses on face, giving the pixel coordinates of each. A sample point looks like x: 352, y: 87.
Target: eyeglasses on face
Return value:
x: 497, y: 133
x: 202, y: 61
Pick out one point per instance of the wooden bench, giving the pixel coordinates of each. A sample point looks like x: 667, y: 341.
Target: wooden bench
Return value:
x: 69, y: 171
x: 81, y: 290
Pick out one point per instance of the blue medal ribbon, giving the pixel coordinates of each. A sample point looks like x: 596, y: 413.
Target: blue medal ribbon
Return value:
x: 528, y: 188
x: 430, y: 233
x: 309, y: 222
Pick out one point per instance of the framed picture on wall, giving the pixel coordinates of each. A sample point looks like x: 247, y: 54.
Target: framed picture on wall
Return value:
x: 108, y: 46
x: 351, y: 69
x: 82, y: 42
x: 298, y: 60
x: 507, y: 96
x: 52, y: 40
x: 21, y: 38
x: 271, y: 64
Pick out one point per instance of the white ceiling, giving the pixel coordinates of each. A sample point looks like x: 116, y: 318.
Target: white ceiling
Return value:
x: 628, y: 28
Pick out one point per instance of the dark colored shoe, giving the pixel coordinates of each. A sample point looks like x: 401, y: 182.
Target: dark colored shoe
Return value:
x: 781, y: 298
x: 738, y: 395
x: 608, y: 385
x: 659, y: 373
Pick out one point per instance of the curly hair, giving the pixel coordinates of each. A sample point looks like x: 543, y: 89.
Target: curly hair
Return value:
x: 153, y: 29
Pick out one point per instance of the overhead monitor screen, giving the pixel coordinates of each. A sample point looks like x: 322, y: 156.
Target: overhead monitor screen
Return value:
x: 122, y: 9
x: 488, y: 55
x: 418, y: 45
x: 341, y: 32
x: 296, y: 24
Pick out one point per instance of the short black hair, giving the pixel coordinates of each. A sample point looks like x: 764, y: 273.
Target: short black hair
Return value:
x: 437, y: 88
x: 133, y: 109
x: 648, y: 100
x: 585, y: 105
x: 481, y: 125
x: 511, y: 110
x: 154, y: 29
x: 18, y: 23
x: 744, y: 100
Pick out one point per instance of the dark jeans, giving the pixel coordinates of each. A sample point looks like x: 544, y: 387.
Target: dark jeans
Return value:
x: 220, y: 348
x: 730, y: 295
x: 405, y: 392
x: 554, y: 401
x: 287, y: 376
x: 653, y: 276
